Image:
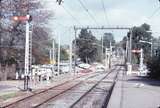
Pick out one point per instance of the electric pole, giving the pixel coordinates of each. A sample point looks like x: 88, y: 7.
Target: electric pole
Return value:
x: 70, y: 56
x: 102, y: 50
x: 53, y: 56
x: 130, y: 47
x: 59, y: 49
x: 75, y: 50
x: 126, y: 55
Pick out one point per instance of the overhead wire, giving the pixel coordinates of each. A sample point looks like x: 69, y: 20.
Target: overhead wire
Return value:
x: 69, y: 13
x: 73, y: 17
x: 63, y: 26
x: 158, y: 9
x: 105, y: 12
x: 87, y: 11
x: 152, y: 15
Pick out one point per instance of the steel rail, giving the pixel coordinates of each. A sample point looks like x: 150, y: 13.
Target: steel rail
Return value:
x: 43, y: 91
x: 42, y: 103
x: 90, y: 89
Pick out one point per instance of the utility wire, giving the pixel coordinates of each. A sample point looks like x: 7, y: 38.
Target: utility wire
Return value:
x: 60, y: 24
x: 69, y: 13
x: 89, y: 14
x: 154, y: 12
x: 105, y: 12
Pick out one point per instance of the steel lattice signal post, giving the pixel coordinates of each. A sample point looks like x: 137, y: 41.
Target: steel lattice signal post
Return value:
x: 28, y: 55
x: 28, y: 48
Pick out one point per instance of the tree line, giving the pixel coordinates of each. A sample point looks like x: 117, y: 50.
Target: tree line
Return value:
x: 89, y: 48
x: 151, y: 55
x: 12, y: 33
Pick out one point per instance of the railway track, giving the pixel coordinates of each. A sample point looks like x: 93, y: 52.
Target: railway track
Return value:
x: 92, y: 94
x: 47, y: 94
x: 67, y: 100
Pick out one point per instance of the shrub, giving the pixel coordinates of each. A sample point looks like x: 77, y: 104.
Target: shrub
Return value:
x: 153, y: 66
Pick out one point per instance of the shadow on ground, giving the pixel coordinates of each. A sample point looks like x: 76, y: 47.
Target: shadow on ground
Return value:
x: 145, y: 80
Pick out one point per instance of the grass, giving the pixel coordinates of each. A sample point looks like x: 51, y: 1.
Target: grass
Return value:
x: 8, y: 96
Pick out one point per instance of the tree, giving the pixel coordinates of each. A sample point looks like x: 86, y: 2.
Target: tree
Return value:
x: 87, y: 46
x: 140, y: 33
x: 13, y: 32
x: 64, y: 54
x: 153, y: 66
x: 153, y: 63
x: 41, y: 45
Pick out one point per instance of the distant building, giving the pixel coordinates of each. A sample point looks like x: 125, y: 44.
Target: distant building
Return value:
x: 107, y: 38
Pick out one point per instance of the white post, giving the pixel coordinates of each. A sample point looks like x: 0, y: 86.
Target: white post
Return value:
x: 27, y: 49
x: 110, y: 55
x: 130, y: 49
x: 50, y: 55
x: 141, y: 62
x: 102, y: 49
x: 53, y: 57
x: 107, y: 58
x: 127, y: 50
x: 129, y: 64
x: 70, y: 56
x: 26, y: 55
x: 59, y: 45
x: 17, y: 75
x: 30, y: 54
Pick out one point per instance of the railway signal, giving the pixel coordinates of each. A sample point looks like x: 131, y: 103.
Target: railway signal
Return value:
x: 28, y: 59
x: 22, y: 18
x: 136, y: 51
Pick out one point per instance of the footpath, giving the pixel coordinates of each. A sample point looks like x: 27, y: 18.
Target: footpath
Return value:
x: 135, y: 92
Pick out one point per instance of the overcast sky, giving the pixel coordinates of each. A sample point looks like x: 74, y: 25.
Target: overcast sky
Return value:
x: 119, y: 13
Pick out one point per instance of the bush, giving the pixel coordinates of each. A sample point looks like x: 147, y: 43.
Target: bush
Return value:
x: 154, y: 67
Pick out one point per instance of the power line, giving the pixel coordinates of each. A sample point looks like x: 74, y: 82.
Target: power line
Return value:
x: 90, y: 15
x: 105, y: 12
x: 60, y: 24
x: 69, y: 13
x: 154, y: 12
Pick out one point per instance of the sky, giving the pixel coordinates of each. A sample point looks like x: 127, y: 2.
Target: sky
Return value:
x: 121, y: 13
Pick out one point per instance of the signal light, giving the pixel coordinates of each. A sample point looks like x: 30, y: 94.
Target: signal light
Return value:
x: 29, y: 17
x: 15, y: 18
x: 22, y: 18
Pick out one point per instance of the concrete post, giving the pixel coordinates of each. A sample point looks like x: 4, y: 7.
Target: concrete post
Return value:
x: 70, y: 56
x: 141, y: 62
x: 53, y: 57
x: 59, y: 45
